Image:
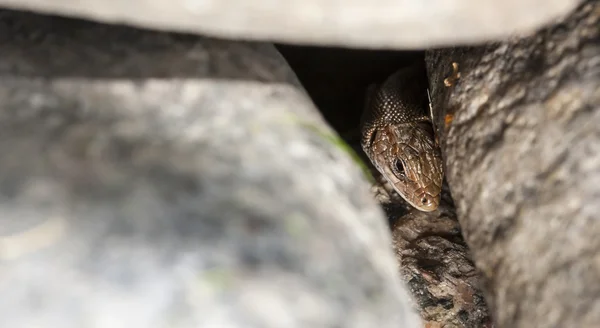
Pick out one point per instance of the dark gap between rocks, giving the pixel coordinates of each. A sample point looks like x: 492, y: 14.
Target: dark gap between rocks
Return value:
x: 337, y: 79
x: 435, y: 261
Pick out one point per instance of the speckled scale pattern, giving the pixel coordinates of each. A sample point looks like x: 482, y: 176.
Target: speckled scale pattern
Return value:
x: 398, y: 138
x: 402, y: 98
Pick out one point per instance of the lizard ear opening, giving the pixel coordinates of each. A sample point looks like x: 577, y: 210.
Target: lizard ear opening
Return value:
x: 372, y: 138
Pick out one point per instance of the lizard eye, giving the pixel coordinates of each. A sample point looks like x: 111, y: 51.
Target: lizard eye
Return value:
x: 399, y: 168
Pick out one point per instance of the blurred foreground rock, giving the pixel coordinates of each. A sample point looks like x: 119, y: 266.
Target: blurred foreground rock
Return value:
x: 157, y: 180
x: 397, y: 24
x: 519, y: 130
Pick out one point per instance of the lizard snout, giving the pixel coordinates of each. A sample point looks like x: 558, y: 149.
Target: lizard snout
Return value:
x: 427, y: 203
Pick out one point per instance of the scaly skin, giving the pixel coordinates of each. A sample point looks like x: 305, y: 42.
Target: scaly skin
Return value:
x: 398, y: 138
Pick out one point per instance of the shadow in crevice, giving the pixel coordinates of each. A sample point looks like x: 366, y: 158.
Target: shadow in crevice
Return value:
x: 337, y: 78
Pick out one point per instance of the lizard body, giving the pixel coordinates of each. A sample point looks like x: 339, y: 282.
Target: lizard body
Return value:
x: 397, y: 135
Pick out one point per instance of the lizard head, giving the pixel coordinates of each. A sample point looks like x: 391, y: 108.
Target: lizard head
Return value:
x: 408, y: 157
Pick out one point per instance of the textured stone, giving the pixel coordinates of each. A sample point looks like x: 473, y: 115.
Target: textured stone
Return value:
x: 158, y: 180
x: 434, y: 261
x: 519, y: 131
x: 398, y: 24
x: 437, y: 266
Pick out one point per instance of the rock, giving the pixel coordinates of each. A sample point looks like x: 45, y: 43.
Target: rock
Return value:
x: 390, y: 24
x: 437, y: 266
x: 152, y: 180
x: 519, y: 129
x: 434, y: 261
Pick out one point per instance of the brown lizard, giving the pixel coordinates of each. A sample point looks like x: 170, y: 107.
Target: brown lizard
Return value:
x: 397, y: 135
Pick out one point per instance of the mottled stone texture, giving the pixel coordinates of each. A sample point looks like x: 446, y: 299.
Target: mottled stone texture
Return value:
x: 434, y: 261
x: 436, y: 264
x: 398, y: 24
x: 522, y: 145
x: 158, y: 180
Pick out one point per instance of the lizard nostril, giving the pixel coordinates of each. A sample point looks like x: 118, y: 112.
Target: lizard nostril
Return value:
x: 424, y: 201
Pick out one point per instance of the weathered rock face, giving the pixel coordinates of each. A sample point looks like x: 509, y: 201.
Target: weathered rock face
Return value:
x: 436, y: 264
x: 398, y: 24
x: 520, y: 136
x: 154, y: 180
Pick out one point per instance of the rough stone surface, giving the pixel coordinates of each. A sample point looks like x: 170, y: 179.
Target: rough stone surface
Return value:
x: 398, y: 24
x: 520, y: 136
x: 436, y: 264
x: 158, y: 180
x: 434, y: 261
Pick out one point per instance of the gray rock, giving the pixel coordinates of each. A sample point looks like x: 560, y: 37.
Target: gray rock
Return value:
x: 158, y: 180
x: 519, y: 130
x: 373, y: 24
